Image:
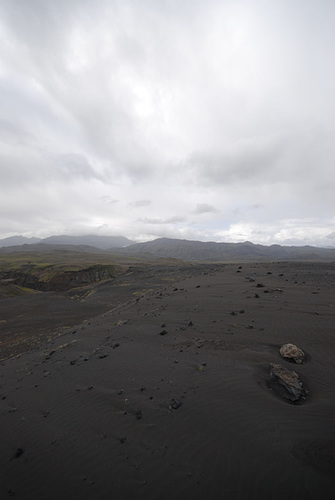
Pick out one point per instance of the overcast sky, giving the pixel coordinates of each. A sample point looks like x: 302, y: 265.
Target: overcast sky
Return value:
x: 198, y: 119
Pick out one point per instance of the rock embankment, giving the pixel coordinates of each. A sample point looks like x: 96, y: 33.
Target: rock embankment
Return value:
x: 52, y: 278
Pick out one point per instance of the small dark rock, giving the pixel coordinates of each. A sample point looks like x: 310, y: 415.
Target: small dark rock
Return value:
x: 116, y: 345
x: 163, y: 332
x: 175, y: 405
x: 138, y: 414
x: 103, y: 355
x: 123, y: 440
x: 19, y: 452
x: 287, y: 384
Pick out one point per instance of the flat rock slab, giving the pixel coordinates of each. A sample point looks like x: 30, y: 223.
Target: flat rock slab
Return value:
x: 287, y: 384
x: 293, y: 352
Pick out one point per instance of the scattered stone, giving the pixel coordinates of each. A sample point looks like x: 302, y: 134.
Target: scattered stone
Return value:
x: 175, y: 405
x: 103, y: 355
x: 260, y: 285
x: 138, y: 414
x: 190, y: 323
x: 241, y: 311
x: 163, y: 332
x: 73, y: 362
x: 19, y: 452
x: 116, y: 345
x: 123, y: 440
x: 256, y: 296
x: 287, y: 384
x: 293, y: 352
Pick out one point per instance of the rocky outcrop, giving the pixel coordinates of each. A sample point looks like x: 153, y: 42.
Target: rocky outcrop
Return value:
x: 287, y: 384
x: 53, y: 278
x: 292, y: 352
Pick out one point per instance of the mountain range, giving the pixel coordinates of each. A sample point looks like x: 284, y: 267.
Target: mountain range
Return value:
x: 101, y: 242
x: 169, y: 248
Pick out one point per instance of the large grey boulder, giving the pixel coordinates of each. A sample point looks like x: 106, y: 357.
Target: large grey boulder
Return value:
x: 291, y: 351
x: 287, y: 384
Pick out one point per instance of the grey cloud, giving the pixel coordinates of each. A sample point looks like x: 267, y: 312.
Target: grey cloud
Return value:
x: 71, y: 166
x: 248, y: 161
x: 204, y: 208
x: 109, y: 200
x: 170, y: 220
x: 140, y: 203
x: 13, y: 134
x: 32, y: 166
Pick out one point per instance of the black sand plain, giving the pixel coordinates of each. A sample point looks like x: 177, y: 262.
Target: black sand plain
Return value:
x: 154, y: 385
